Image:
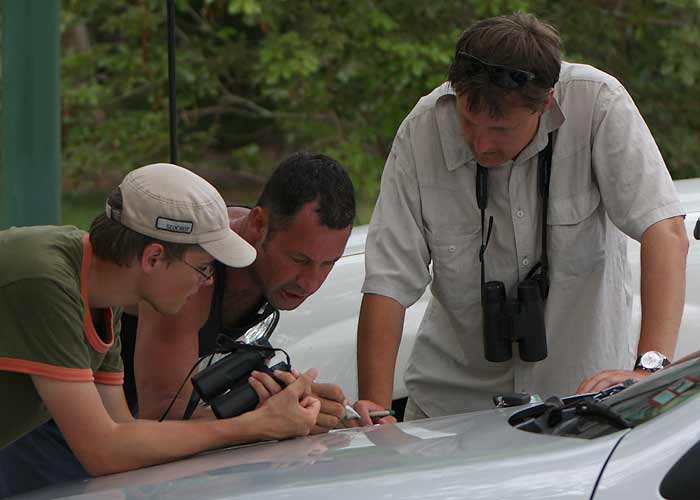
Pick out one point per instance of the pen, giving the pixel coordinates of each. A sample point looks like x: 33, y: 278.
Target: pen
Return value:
x: 350, y: 413
x: 380, y: 414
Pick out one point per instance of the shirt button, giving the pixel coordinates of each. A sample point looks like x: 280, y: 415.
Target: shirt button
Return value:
x: 526, y: 261
x: 520, y: 214
x: 452, y: 248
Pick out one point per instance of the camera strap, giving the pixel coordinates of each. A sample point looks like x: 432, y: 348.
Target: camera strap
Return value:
x: 194, y: 397
x: 482, y: 198
x: 544, y: 173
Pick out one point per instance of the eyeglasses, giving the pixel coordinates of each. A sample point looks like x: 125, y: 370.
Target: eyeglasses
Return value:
x: 502, y: 76
x: 206, y: 271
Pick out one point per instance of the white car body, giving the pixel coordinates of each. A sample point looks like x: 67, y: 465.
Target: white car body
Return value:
x: 322, y: 332
x: 470, y: 457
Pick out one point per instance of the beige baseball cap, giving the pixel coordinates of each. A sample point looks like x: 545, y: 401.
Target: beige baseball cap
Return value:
x: 170, y: 203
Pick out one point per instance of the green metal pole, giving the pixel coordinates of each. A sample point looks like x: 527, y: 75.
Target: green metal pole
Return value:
x: 31, y: 179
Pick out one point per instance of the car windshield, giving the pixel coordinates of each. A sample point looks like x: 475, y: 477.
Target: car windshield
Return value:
x: 594, y: 416
x: 665, y: 391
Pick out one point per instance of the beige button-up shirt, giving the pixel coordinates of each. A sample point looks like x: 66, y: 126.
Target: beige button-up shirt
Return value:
x: 608, y: 178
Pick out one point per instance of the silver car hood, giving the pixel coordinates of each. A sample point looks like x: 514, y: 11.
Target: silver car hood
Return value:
x: 474, y: 456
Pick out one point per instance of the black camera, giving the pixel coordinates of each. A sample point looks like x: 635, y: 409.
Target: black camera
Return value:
x: 508, y: 320
x: 224, y: 384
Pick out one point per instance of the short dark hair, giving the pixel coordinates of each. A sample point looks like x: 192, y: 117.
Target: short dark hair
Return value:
x: 118, y: 244
x: 305, y: 177
x: 520, y: 41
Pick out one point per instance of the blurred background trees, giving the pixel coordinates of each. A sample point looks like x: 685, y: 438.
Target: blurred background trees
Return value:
x: 258, y: 79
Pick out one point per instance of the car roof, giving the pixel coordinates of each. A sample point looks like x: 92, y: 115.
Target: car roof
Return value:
x: 689, y: 194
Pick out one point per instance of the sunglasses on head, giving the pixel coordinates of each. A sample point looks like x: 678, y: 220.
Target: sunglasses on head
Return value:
x: 502, y: 76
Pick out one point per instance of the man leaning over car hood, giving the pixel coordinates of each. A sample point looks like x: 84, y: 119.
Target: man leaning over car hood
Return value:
x: 299, y: 228
x: 509, y: 96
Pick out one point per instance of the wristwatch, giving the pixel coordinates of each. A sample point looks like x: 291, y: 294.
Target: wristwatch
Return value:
x: 651, y: 361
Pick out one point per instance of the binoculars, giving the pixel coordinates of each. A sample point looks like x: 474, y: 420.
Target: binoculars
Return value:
x: 224, y: 385
x: 518, y: 320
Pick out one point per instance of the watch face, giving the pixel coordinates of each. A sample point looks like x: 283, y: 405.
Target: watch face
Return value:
x: 652, y: 360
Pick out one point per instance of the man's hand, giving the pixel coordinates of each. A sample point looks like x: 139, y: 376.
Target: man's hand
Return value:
x: 608, y: 378
x: 363, y: 407
x: 265, y: 386
x: 332, y: 407
x: 292, y: 411
x: 330, y: 396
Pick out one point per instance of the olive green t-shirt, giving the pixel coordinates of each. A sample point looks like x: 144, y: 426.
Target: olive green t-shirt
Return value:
x: 48, y: 328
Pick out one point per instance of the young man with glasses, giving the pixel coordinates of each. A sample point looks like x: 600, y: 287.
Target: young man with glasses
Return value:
x: 298, y: 228
x: 60, y: 296
x: 465, y: 183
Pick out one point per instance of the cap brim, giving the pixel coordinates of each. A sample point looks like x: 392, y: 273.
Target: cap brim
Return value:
x: 231, y: 250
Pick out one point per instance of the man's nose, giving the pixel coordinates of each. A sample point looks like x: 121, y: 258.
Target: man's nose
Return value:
x: 311, y: 279
x: 482, y: 143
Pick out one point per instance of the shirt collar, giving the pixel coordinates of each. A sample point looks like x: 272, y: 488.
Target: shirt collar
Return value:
x: 550, y: 121
x: 454, y: 146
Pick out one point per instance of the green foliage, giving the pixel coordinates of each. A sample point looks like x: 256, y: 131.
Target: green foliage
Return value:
x: 80, y: 209
x: 651, y: 47
x: 258, y: 79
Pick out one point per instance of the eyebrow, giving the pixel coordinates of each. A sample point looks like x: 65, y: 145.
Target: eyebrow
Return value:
x: 504, y: 127
x: 306, y: 257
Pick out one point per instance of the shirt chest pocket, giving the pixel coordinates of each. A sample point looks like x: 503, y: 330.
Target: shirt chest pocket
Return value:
x: 455, y: 261
x: 576, y: 226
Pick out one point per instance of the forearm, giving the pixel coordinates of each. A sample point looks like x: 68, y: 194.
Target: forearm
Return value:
x: 177, y: 411
x: 378, y: 339
x: 143, y: 443
x: 154, y: 406
x: 663, y: 256
x: 104, y: 446
x: 86, y: 416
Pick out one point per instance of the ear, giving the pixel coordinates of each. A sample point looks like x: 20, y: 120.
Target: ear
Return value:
x: 549, y: 100
x: 257, y: 226
x: 153, y: 257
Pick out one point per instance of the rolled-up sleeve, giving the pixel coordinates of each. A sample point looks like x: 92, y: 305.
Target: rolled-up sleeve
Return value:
x: 397, y: 256
x: 634, y: 183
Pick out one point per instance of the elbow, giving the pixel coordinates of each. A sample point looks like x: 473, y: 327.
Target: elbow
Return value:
x: 97, y: 463
x: 152, y: 412
x: 681, y: 237
x: 176, y: 409
x: 96, y: 470
x: 103, y: 453
x: 667, y: 237
x: 152, y: 406
x: 685, y: 247
x: 686, y: 242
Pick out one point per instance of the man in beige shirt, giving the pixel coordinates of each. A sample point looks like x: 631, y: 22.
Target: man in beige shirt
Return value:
x: 508, y: 97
